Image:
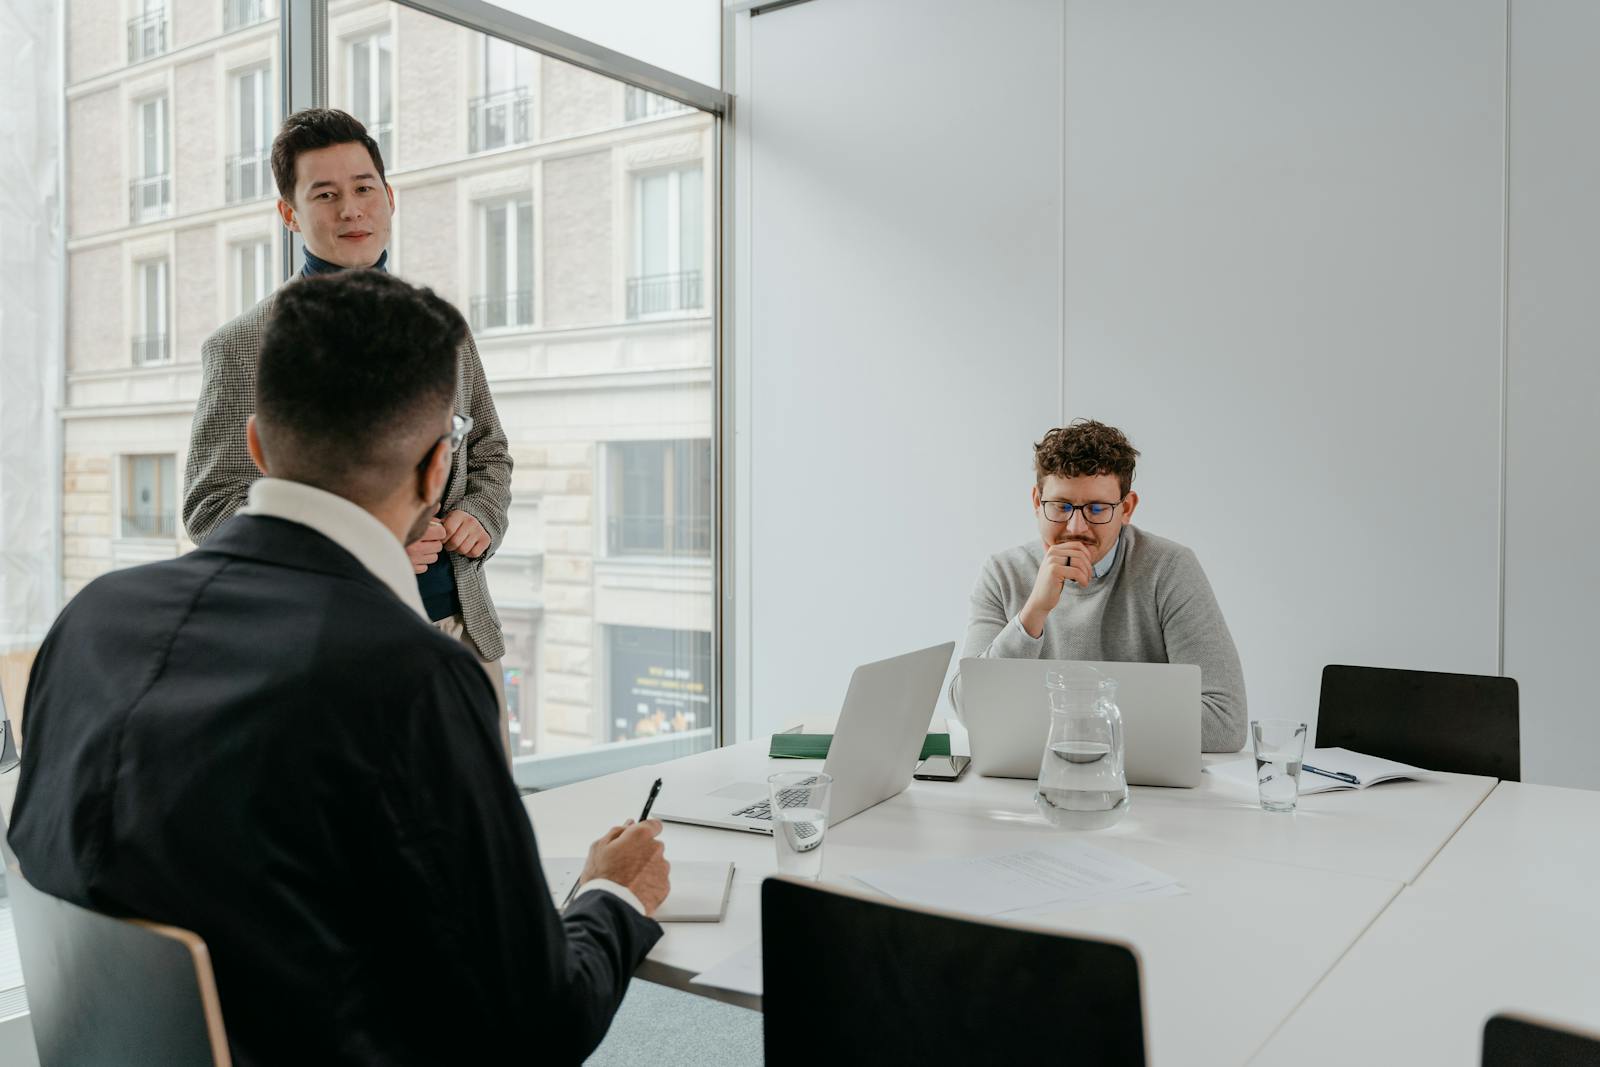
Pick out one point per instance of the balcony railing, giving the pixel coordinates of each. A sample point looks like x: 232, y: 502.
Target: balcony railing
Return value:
x: 237, y: 14
x: 150, y: 198
x: 150, y: 350
x: 147, y: 36
x: 643, y: 104
x: 648, y: 535
x: 249, y: 176
x: 502, y: 310
x: 150, y: 524
x: 657, y: 294
x: 499, y: 119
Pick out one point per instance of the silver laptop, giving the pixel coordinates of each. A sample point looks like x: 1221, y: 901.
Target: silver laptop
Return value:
x: 1007, y: 715
x: 874, y: 750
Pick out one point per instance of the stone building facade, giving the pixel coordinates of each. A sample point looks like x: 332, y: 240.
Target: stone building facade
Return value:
x: 570, y: 217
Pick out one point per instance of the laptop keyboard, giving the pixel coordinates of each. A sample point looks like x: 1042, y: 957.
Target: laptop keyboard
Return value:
x: 789, y: 798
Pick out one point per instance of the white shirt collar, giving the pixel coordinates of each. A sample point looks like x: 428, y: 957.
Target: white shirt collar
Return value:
x: 350, y: 526
x: 1102, y: 568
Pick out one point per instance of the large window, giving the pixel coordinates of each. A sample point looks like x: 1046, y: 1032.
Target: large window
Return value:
x: 506, y: 240
x: 659, y: 498
x: 151, y: 339
x: 503, y: 114
x: 152, y: 188
x: 149, y: 497
x: 371, y: 88
x: 564, y: 213
x: 249, y: 169
x: 668, y: 246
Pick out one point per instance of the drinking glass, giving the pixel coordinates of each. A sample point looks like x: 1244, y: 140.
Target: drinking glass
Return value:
x: 799, y: 820
x: 1280, y: 746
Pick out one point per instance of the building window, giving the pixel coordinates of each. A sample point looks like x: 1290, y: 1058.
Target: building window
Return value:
x: 152, y: 190
x: 249, y: 169
x: 237, y: 14
x: 503, y: 115
x: 149, y: 497
x: 370, y: 60
x: 668, y: 243
x: 643, y: 104
x: 660, y: 681
x: 658, y: 498
x: 252, y: 272
x: 147, y: 31
x: 505, y: 296
x: 150, y: 341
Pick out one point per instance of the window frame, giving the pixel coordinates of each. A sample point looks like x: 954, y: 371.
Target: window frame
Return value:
x: 673, y: 239
x: 513, y: 205
x: 124, y: 485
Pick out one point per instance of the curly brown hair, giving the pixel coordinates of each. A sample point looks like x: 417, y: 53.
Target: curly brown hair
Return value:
x: 1084, y: 449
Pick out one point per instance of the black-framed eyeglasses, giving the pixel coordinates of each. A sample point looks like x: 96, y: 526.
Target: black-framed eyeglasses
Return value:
x: 1096, y: 512
x: 460, y: 426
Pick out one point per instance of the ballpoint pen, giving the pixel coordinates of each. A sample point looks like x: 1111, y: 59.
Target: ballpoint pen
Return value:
x: 649, y: 801
x: 1342, y: 776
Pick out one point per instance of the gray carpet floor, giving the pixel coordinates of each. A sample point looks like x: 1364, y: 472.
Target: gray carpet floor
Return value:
x: 661, y: 1027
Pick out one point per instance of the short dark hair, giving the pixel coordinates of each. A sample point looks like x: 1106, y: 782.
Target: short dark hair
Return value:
x: 352, y: 367
x: 1083, y: 449
x: 311, y: 129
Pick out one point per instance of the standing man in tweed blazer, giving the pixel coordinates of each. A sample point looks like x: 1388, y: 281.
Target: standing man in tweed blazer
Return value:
x: 332, y: 191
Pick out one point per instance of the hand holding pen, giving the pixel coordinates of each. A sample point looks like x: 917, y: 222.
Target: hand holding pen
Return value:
x: 632, y: 856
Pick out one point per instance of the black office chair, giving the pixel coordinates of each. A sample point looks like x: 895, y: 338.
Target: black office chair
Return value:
x: 106, y: 990
x: 1466, y: 723
x: 851, y: 978
x: 1518, y: 1041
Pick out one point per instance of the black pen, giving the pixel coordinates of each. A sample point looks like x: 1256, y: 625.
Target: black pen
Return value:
x: 1342, y: 776
x: 649, y: 801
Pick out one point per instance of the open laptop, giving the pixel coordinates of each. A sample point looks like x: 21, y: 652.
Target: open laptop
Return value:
x: 874, y: 750
x: 1007, y: 715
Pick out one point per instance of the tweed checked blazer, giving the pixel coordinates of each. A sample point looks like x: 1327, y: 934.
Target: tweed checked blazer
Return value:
x: 219, y: 470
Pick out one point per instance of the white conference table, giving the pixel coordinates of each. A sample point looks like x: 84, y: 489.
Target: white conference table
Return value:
x: 1503, y: 920
x: 1273, y: 902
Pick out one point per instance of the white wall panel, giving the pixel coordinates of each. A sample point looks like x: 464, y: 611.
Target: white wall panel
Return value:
x: 1553, y: 503
x: 1283, y: 277
x: 904, y: 307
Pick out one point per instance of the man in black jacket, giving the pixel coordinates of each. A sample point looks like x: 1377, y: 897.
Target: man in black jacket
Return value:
x: 265, y: 742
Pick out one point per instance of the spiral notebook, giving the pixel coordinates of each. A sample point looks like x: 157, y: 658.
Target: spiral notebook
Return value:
x: 699, y: 888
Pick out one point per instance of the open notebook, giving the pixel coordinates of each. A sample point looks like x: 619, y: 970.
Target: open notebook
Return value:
x: 699, y: 889
x: 1353, y: 771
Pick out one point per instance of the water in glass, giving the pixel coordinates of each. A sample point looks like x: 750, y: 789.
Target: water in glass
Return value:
x: 799, y: 833
x: 1278, y: 776
x: 1081, y: 781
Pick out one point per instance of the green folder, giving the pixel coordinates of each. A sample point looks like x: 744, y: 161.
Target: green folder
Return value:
x: 815, y: 746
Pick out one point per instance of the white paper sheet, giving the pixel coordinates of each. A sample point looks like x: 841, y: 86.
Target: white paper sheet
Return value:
x: 1039, y: 880
x: 740, y: 972
x: 1241, y: 773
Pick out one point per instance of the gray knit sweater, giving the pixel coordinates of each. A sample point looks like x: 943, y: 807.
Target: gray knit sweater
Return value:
x: 1153, y: 606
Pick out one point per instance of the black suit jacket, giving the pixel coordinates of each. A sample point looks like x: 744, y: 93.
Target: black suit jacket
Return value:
x: 260, y: 742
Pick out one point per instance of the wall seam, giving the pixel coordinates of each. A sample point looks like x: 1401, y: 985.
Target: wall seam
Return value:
x: 1505, y: 339
x: 1061, y: 231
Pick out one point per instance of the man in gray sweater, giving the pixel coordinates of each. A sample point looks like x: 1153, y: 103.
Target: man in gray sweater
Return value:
x: 1096, y: 587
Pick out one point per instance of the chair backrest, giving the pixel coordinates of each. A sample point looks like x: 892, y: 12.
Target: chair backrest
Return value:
x: 856, y: 979
x: 123, y: 991
x: 1465, y: 723
x: 1520, y: 1041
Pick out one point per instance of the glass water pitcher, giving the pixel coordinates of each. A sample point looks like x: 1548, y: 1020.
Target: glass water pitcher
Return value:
x: 1081, y: 781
